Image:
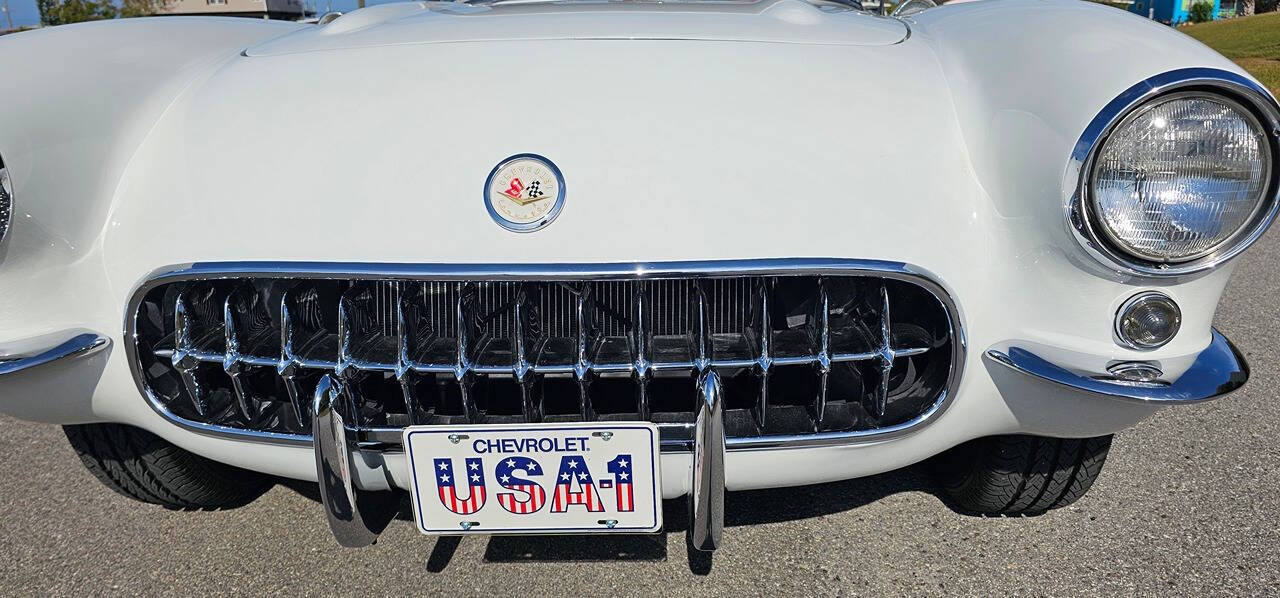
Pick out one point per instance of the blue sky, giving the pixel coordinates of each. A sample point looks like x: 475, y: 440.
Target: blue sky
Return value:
x: 25, y: 14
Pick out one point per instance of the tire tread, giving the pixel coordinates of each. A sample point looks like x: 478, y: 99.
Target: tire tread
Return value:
x: 1021, y: 474
x: 140, y: 465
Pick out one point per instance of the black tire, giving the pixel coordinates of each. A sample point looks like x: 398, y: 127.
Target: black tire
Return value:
x: 1020, y: 475
x: 145, y: 467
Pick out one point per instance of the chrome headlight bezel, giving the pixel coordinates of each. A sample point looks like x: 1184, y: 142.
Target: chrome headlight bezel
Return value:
x: 1224, y: 86
x: 6, y: 201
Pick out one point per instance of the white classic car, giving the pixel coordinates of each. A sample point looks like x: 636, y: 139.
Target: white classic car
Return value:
x: 538, y: 265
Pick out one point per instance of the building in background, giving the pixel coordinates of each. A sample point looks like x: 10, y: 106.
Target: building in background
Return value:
x: 1170, y: 12
x: 265, y: 9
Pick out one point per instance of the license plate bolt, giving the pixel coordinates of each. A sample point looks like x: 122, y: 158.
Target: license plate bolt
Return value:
x: 466, y: 525
x: 605, y: 435
x: 456, y: 438
x: 609, y: 523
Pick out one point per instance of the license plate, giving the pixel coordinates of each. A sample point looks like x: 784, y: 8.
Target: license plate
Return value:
x: 535, y: 478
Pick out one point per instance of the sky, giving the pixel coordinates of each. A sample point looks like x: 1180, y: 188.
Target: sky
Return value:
x: 24, y: 12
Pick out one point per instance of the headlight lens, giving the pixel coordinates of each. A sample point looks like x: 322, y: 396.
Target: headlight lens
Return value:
x: 6, y: 200
x: 1181, y: 177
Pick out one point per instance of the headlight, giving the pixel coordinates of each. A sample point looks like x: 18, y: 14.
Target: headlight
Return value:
x: 6, y: 200
x: 1182, y: 178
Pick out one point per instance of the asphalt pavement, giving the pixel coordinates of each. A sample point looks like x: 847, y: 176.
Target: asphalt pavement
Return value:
x: 1188, y: 504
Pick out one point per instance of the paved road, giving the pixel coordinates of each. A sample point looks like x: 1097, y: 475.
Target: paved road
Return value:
x: 1189, y: 503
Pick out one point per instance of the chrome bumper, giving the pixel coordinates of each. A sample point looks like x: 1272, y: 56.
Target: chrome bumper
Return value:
x: 1216, y: 372
x: 52, y: 378
x: 62, y: 347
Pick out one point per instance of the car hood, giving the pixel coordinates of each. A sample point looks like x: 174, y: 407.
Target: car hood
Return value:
x: 777, y: 21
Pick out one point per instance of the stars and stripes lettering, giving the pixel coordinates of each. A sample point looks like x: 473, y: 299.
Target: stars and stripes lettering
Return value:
x: 527, y: 496
x: 620, y: 467
x: 446, y: 480
x: 573, y: 472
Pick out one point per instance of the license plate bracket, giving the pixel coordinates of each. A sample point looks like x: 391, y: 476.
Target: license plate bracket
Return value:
x: 550, y: 478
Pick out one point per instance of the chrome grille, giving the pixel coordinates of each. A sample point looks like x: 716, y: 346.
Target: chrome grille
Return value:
x: 827, y: 350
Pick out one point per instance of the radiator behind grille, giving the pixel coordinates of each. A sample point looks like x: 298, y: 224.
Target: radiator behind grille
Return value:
x: 801, y: 353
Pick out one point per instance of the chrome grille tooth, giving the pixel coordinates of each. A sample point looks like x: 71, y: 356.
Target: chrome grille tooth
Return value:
x: 521, y: 315
x: 824, y: 357
x: 643, y: 334
x: 403, y: 371
x: 886, y: 354
x: 462, y: 368
x: 344, y: 336
x: 765, y: 361
x: 522, y: 322
x: 582, y: 369
x: 287, y: 369
x: 232, y: 363
x: 702, y: 334
x: 184, y: 359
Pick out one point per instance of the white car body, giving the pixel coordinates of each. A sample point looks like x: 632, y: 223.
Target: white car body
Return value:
x: 687, y: 132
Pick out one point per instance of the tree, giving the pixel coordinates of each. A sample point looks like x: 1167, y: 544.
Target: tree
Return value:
x: 62, y: 12
x: 141, y: 8
x: 1200, y: 12
x: 1247, y: 7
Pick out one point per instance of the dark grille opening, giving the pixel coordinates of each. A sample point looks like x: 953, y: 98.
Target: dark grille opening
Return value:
x: 798, y: 354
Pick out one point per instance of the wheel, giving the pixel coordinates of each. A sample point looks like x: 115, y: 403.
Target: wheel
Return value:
x: 1020, y: 475
x: 145, y: 467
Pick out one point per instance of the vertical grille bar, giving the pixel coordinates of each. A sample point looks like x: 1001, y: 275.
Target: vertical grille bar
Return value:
x: 765, y: 361
x: 289, y: 363
x: 582, y: 370
x: 231, y: 363
x: 824, y: 352
x: 643, y: 345
x: 403, y: 372
x: 185, y: 360
x: 345, y: 325
x: 463, y: 308
x: 522, y: 322
x: 702, y: 336
x: 886, y: 353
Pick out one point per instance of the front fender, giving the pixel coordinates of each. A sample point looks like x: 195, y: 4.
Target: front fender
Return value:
x: 80, y: 99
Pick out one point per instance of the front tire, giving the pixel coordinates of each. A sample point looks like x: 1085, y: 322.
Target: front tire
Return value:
x: 142, y: 466
x: 1020, y: 475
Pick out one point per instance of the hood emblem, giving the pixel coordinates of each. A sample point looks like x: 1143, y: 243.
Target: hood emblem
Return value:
x: 524, y: 193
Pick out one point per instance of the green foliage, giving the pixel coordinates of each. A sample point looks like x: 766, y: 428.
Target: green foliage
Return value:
x: 1253, y: 42
x: 141, y: 8
x: 1200, y: 12
x: 62, y: 12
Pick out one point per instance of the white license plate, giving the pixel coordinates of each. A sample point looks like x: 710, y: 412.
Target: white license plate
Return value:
x: 535, y: 478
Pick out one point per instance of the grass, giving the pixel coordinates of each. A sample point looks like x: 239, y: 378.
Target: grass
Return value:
x: 1252, y: 42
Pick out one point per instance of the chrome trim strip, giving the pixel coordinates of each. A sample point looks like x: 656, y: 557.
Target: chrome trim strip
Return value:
x: 1078, y: 214
x: 27, y: 354
x: 356, y: 517
x: 706, y: 493
x: 516, y: 272
x: 1217, y: 371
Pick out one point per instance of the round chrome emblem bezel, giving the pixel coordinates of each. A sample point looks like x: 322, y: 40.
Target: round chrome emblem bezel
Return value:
x: 546, y: 217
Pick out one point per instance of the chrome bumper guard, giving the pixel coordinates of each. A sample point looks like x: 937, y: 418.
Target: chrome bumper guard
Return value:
x: 356, y: 517
x: 1216, y: 372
